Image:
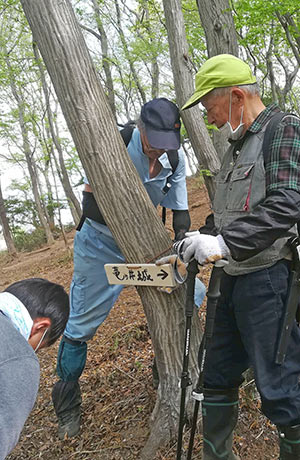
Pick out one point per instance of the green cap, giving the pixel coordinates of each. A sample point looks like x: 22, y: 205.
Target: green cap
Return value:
x: 220, y: 71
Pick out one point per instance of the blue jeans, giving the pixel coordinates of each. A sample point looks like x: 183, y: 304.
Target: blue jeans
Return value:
x: 91, y: 296
x: 247, y: 328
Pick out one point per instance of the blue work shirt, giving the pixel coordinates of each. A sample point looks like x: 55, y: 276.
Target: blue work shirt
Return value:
x: 175, y: 198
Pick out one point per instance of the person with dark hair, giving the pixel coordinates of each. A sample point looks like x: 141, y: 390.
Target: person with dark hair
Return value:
x: 33, y: 314
x: 153, y: 145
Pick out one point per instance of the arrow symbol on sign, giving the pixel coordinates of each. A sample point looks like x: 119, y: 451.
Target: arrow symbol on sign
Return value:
x: 163, y: 274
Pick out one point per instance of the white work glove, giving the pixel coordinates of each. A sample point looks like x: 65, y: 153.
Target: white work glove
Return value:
x: 179, y: 243
x: 203, y: 248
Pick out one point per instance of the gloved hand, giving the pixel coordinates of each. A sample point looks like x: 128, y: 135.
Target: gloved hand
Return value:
x: 178, y: 245
x: 204, y: 248
x: 179, y: 267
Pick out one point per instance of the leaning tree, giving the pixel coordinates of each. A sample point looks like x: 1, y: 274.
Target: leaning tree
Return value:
x: 119, y: 193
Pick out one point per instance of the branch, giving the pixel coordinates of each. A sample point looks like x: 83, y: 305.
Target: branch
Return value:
x: 283, y: 22
x: 91, y: 31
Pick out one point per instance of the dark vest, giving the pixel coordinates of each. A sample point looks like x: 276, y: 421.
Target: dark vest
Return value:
x: 241, y: 185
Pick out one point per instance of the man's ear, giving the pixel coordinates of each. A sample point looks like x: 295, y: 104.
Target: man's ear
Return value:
x: 39, y: 325
x: 238, y: 96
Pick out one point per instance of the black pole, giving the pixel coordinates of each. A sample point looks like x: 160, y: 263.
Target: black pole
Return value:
x: 192, y: 270
x: 292, y: 302
x: 213, y: 295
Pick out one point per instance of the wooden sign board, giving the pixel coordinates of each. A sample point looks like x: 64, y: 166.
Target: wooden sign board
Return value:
x: 140, y: 275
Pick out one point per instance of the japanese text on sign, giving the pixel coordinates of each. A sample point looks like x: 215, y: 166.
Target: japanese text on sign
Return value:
x: 140, y: 275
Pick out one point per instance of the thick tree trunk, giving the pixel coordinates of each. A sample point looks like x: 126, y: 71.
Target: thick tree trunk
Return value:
x: 118, y: 190
x: 217, y: 22
x: 184, y: 87
x: 5, y: 227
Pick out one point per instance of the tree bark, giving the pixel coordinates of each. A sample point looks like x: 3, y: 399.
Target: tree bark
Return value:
x: 5, y: 227
x: 184, y: 88
x: 218, y: 25
x: 118, y: 190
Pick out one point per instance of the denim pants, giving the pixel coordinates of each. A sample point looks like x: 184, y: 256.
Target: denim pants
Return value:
x: 247, y: 328
x: 92, y: 297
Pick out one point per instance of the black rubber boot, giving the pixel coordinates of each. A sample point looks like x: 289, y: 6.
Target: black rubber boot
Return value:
x: 66, y: 397
x: 219, y: 415
x: 289, y: 442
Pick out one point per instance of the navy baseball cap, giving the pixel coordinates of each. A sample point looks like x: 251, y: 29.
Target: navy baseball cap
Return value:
x: 162, y: 123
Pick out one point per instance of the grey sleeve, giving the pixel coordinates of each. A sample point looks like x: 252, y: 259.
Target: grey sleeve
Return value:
x: 267, y: 222
x: 19, y: 382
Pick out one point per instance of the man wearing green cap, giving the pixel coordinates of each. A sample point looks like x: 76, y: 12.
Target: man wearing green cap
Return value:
x: 255, y: 209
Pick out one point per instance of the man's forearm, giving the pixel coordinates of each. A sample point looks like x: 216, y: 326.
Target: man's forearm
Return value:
x: 269, y: 221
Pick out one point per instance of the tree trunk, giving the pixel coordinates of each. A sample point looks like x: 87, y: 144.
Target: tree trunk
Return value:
x: 221, y: 38
x: 118, y: 190
x: 218, y: 25
x: 105, y: 59
x: 154, y: 62
x: 292, y: 33
x: 127, y: 55
x: 184, y: 87
x: 5, y: 227
x: 28, y: 155
x: 74, y: 204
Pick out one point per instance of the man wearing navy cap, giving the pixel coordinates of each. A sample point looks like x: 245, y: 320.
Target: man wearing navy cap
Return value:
x: 91, y: 297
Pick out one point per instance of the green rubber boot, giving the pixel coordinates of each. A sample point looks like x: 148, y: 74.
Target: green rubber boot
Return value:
x: 219, y: 415
x: 289, y: 442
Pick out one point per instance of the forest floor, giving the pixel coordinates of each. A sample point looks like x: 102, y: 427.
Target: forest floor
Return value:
x: 117, y: 390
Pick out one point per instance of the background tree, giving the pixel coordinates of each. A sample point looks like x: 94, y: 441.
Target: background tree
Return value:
x: 184, y: 87
x: 5, y: 226
x: 221, y: 38
x: 55, y: 141
x: 20, y: 100
x: 263, y: 41
x: 217, y: 22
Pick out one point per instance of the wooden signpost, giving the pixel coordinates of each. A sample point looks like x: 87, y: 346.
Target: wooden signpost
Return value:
x: 140, y: 274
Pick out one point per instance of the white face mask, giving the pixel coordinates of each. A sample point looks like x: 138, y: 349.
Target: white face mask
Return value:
x: 228, y: 131
x: 15, y: 310
x: 42, y: 338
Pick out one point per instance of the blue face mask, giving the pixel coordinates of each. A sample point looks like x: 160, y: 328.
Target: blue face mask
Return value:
x: 228, y: 131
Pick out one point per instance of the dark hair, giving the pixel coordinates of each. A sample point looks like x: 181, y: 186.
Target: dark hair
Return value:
x: 42, y: 298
